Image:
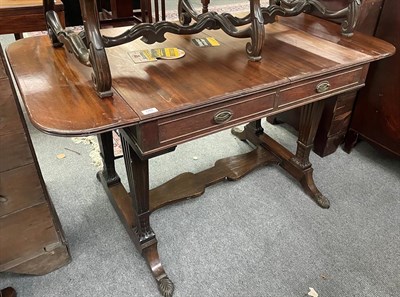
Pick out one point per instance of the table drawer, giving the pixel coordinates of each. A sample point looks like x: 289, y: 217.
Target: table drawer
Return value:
x: 206, y: 120
x: 321, y: 87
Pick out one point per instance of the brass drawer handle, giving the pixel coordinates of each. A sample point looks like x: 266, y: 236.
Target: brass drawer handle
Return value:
x: 223, y: 116
x: 323, y: 86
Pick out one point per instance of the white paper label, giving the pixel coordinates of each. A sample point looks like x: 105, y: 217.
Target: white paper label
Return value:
x: 149, y: 111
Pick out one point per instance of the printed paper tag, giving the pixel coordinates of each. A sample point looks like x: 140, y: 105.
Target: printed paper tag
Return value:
x: 205, y: 42
x: 150, y: 55
x: 142, y: 56
x: 149, y: 111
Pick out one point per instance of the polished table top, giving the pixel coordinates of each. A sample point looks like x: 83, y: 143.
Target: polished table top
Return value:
x: 59, y: 98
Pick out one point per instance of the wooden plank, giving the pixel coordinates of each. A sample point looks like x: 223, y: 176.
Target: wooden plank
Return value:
x: 14, y: 151
x: 20, y: 188
x: 25, y: 23
x: 25, y: 234
x: 17, y: 16
x: 9, y: 115
x: 3, y: 73
x: 44, y: 263
x: 27, y: 3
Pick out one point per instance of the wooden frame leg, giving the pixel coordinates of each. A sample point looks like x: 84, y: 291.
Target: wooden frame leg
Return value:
x: 107, y: 153
x: 143, y: 235
x: 297, y: 165
x: 310, y: 116
x: 205, y: 5
x: 18, y: 36
x: 133, y: 207
x: 350, y: 140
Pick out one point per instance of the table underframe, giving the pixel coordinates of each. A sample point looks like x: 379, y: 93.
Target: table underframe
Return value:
x: 134, y: 207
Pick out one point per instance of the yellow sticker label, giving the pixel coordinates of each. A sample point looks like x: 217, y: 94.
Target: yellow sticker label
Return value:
x: 156, y: 53
x: 205, y: 42
x: 165, y: 52
x: 148, y: 55
x: 213, y: 41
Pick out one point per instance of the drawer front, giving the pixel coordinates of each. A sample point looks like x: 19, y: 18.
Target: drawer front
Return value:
x: 9, y: 116
x: 14, y: 151
x: 320, y: 88
x: 342, y: 114
x: 206, y: 120
x: 20, y: 188
x: 345, y: 103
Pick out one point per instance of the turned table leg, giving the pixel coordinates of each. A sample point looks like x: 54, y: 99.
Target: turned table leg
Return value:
x: 205, y: 5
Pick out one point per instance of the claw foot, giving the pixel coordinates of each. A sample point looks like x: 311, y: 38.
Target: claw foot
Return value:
x: 321, y: 200
x: 166, y: 287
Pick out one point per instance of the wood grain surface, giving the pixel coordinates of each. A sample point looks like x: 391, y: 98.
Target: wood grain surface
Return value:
x: 18, y: 16
x: 25, y: 3
x: 58, y: 93
x: 60, y: 100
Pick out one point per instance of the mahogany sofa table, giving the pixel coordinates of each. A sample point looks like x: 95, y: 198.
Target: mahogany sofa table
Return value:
x: 159, y: 105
